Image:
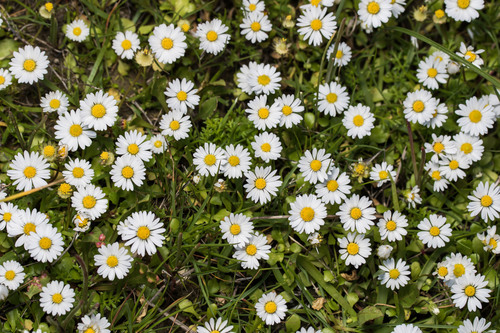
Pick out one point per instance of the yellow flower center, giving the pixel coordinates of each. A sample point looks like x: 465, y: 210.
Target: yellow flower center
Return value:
x: 127, y: 172
x: 358, y: 120
x: 486, y: 201
x: 360, y: 169
x: 471, y: 55
x: 77, y: 31
x: 126, y: 44
x: 439, y: 13
x: 418, y: 106
x: 182, y: 96
x: 339, y: 54
x: 316, y: 24
x: 373, y: 8
x: 29, y: 65
x: 234, y: 160
x: 81, y: 221
x: 356, y: 213
x: 98, y: 111
x: 78, y: 172
x: 28, y: 228
x: 443, y: 271
x: 49, y: 6
x: 49, y: 151
x: 143, y: 232
x: 434, y: 231
x: 331, y: 98
x: 89, y: 330
x: 470, y: 291
x: 174, y: 125
x: 10, y: 275
x: 167, y: 43
x: 453, y: 164
x: 55, y: 103
x: 270, y: 307
x: 475, y: 116
x: 104, y: 155
x: 466, y: 148
x: 432, y: 72
x: 7, y: 217
x: 185, y: 27
x: 332, y: 185
x: 260, y: 183
x: 29, y: 172
x: 394, y: 273
x: 252, y: 7
x: 89, y: 202
x: 255, y: 26
x: 352, y: 249
x: 264, y: 79
x: 459, y: 270
x: 209, y: 159
x: 315, y: 165
x: 307, y: 214
x: 383, y: 174
x: 212, y: 36
x: 158, y: 144
x: 2, y: 79
x: 235, y: 229
x: 45, y: 243
x: 315, y: 3
x: 57, y: 298
x: 390, y: 225
x: 436, y: 175
x: 112, y: 261
x: 65, y: 188
x: 493, y: 243
x: 251, y: 250
x: 263, y: 113
x: 133, y: 149
x: 463, y: 3
x: 438, y: 147
x: 287, y: 110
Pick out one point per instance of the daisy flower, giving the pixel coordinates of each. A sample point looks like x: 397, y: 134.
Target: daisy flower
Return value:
x: 237, y: 229
x: 356, y: 214
x: 251, y: 252
x: 128, y: 172
x: 253, y: 5
x: 267, y: 146
x: 380, y: 173
x: 264, y: 79
x: 358, y: 120
x: 181, y: 95
x: 263, y: 116
x: 29, y: 64
x: 209, y: 159
x: 354, y: 249
x: 291, y: 108
x: 441, y: 145
x: 57, y: 298
x: 479, y: 325
x: 395, y: 273
x: 28, y: 170
x: 271, y: 308
x: 245, y: 75
x: 77, y: 31
x: 315, y: 23
x: 384, y: 251
x: 143, y: 232
x: 432, y: 72
x: 126, y: 44
x: 419, y: 106
x: 255, y: 26
x: 435, y: 231
x: 89, y: 201
x: 134, y: 144
x: 392, y: 226
x: 374, y: 12
x: 413, y: 197
x: 440, y: 184
x: 332, y: 99
x: 438, y: 117
x: 99, y: 110
x: 315, y: 165
x: 335, y: 188
x: 342, y: 56
x: 406, y: 328
x: 262, y: 184
x: 175, y: 124
x: 459, y: 265
x: 211, y: 326
x: 168, y: 43
x: 470, y: 290
x: 5, y: 78
x: 398, y: 7
x: 212, y: 35
x: 451, y: 166
x: 113, y: 261
x: 310, y: 329
x: 78, y: 172
x: 442, y: 270
x: 94, y: 323
x: 485, y: 200
x: 46, y: 244
x: 8, y: 211
x: 463, y: 10
x: 4, y: 291
x: 81, y: 222
x: 476, y: 116
x: 468, y: 52
x: 72, y: 132
x: 11, y: 274
x: 317, y: 3
x: 238, y: 161
x: 158, y: 144
x: 471, y: 146
x: 54, y: 101
x: 307, y: 214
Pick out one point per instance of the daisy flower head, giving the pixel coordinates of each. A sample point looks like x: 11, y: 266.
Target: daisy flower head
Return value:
x: 213, y: 37
x: 419, y: 106
x: 335, y: 188
x: 479, y: 325
x: 263, y: 116
x: 168, y: 43
x: 342, y: 56
x: 476, y: 116
x: 5, y: 78
x: 158, y: 144
x: 459, y: 265
x: 438, y: 117
x: 99, y: 110
x: 356, y: 214
x: 267, y: 146
x: 262, y: 184
x: 374, y: 12
x: 255, y: 26
x: 315, y: 23
x: 435, y: 231
x: 209, y: 159
x: 468, y: 52
x: 470, y: 290
x: 81, y: 222
x: 252, y: 251
x: 11, y: 274
x: 57, y: 298
x: 128, y: 172
x: 317, y: 3
x: 491, y: 240
x: 432, y: 72
x: 463, y: 10
x: 143, y: 232
x: 212, y: 325
x: 392, y: 226
x: 72, y: 132
x: 175, y: 124
x: 29, y: 64
x: 395, y: 273
x: 89, y: 201
x: 95, y: 323
x: 24, y: 223
x: 384, y: 251
x: 271, y: 308
x: 77, y: 31
x: 440, y: 183
x: 245, y: 76
x: 134, y: 144
x: 333, y: 99
x: 441, y: 145
x: 412, y: 196
x: 494, y: 101
x: 46, y: 244
x: 354, y: 249
x: 358, y: 120
x: 54, y: 101
x: 8, y: 211
x: 452, y: 166
x: 442, y: 271
x: 238, y: 161
x: 28, y: 170
x: 78, y: 172
x: 406, y: 328
x: 315, y: 165
x: 485, y: 200
x: 126, y: 44
x: 237, y: 229
x: 307, y: 214
x: 382, y: 173
x: 398, y: 7
x: 264, y: 79
x: 113, y: 261
x: 181, y: 95
x: 253, y: 5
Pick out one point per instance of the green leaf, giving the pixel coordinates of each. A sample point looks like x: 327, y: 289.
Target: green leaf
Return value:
x: 293, y: 323
x: 369, y: 313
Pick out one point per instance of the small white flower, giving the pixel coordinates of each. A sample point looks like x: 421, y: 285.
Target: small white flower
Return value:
x: 175, y: 124
x: 354, y: 249
x: 271, y: 308
x: 253, y: 5
x: 470, y: 290
x: 480, y: 325
x: 126, y: 44
x: 134, y: 144
x: 255, y: 26
x: 28, y: 170
x: 89, y: 201
x: 113, y: 261
x: 431, y: 73
x: 72, y: 132
x: 439, y: 116
x: 8, y: 213
x: 77, y: 31
x: 382, y: 173
x: 452, y: 166
x: 24, y: 223
x: 181, y: 95
x: 5, y: 78
x: 406, y: 328
x: 356, y: 214
x: 255, y: 249
x: 262, y: 184
x: 392, y: 226
x: 440, y: 183
x: 335, y: 188
x: 459, y: 265
x: 29, y: 64
x: 485, y: 200
x: 158, y: 144
x: 263, y: 116
x: 398, y: 7
x: 395, y: 274
x: 238, y: 161
x: 315, y: 24
x: 95, y: 323
x: 267, y: 146
x: 419, y: 106
x: 11, y: 274
x: 264, y: 79
x: 46, y: 244
x: 413, y: 197
x: 209, y: 159
x: 333, y: 99
x: 342, y: 56
x: 476, y: 116
x: 384, y: 251
x: 374, y: 12
x: 315, y: 165
x: 211, y: 326
x: 237, y: 229
x: 245, y: 76
x: 78, y: 172
x: 469, y: 54
x: 128, y: 172
x: 143, y: 232
x: 307, y: 214
x: 54, y: 101
x: 57, y: 298
x: 441, y: 145
x: 212, y: 35
x: 435, y: 231
x: 463, y: 10
x: 168, y: 43
x: 358, y: 120
x: 471, y: 146
x: 291, y: 108
x: 99, y: 110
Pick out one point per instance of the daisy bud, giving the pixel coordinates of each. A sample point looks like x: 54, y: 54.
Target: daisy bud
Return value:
x: 384, y: 251
x: 288, y: 22
x: 420, y: 14
x: 102, y: 237
x: 453, y: 67
x: 99, y: 244
x: 64, y: 191
x: 49, y: 152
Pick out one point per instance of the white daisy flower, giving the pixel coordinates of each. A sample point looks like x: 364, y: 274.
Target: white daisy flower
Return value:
x: 380, y: 173
x: 438, y: 117
x: 209, y: 159
x: 168, y: 43
x: 392, y: 226
x: 253, y: 5
x: 453, y: 67
x: 158, y: 144
x: 212, y: 35
x: 356, y: 214
x: 219, y: 326
x: 384, y: 251
x: 77, y: 31
x: 11, y: 274
x: 440, y: 183
x: 255, y: 26
x: 442, y: 270
x: 237, y: 229
x: 395, y: 273
x: 452, y: 166
x: 175, y: 124
x: 459, y: 265
x: 94, y: 323
x: 307, y: 214
x: 335, y: 188
x: 113, y: 261
x: 463, y: 10
x: 72, y: 132
x: 342, y: 56
x: 493, y: 101
x: 354, y: 249
x: 245, y: 76
x: 435, y: 231
x: 291, y: 108
x: 8, y: 212
x: 29, y: 64
x: 267, y: 146
x: 271, y: 308
x: 54, y: 101
x: 46, y: 244
x: 181, y: 95
x: 4, y: 291
x: 263, y: 116
x: 441, y: 145
x: 255, y: 249
x: 485, y: 200
x: 89, y: 201
x: 128, y: 172
x: 413, y: 197
x: 315, y: 165
x: 238, y: 161
x: 99, y: 110
x: 358, y: 120
x: 398, y: 7
x: 262, y: 184
x: 317, y: 3
x: 419, y: 106
x: 468, y: 52
x: 488, y: 239
x: 134, y: 144
x: 81, y: 222
x: 333, y: 99
x: 28, y: 170
x: 476, y: 116
x: 57, y: 298
x: 264, y: 79
x: 432, y: 72
x: 315, y: 23
x: 126, y: 44
x: 406, y: 328
x: 78, y: 172
x: 374, y: 12
x: 480, y: 325
x: 470, y: 290
x: 143, y: 232
x: 5, y: 78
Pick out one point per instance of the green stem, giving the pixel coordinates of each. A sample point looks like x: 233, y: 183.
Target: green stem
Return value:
x: 413, y: 157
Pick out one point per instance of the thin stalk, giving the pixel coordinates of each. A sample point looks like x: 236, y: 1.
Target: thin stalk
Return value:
x: 25, y: 193
x: 83, y: 294
x: 413, y: 157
